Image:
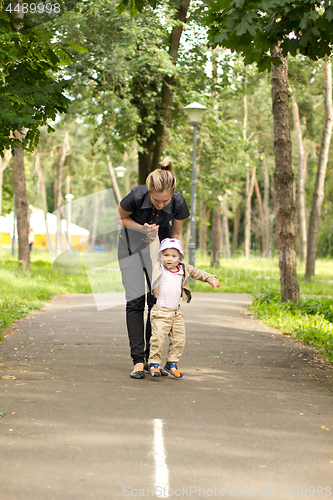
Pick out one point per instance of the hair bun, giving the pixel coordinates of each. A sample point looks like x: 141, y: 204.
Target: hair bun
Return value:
x: 166, y: 164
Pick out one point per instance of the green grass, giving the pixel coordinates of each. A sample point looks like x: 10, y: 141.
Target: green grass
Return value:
x: 239, y: 275
x: 310, y: 321
x: 20, y: 293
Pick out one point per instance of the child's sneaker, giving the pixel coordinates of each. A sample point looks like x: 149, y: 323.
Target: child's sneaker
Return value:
x: 173, y: 370
x: 155, y: 370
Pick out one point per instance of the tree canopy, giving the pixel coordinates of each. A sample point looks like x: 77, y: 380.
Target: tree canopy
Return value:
x: 32, y: 91
x: 254, y: 28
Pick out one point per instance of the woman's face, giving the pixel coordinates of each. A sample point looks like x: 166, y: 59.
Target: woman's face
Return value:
x: 160, y: 200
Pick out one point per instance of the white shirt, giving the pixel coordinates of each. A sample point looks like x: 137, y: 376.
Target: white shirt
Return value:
x: 170, y: 288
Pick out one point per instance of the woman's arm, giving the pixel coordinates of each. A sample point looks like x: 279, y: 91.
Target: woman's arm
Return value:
x: 177, y: 230
x: 122, y: 218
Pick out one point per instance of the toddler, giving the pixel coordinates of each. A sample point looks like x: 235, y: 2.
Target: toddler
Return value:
x: 169, y: 283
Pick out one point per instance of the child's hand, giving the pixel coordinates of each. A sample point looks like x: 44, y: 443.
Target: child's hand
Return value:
x: 215, y: 283
x: 151, y: 230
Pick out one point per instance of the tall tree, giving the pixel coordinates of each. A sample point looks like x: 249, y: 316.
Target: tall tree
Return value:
x: 133, y: 70
x: 318, y: 194
x: 260, y: 31
x: 41, y: 181
x: 284, y: 180
x: 21, y: 205
x: 266, y: 207
x: 301, y: 200
x: 62, y: 149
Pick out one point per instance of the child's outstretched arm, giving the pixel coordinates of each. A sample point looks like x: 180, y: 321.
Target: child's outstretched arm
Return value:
x: 200, y: 275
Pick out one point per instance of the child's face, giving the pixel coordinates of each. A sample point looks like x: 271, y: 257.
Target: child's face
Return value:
x: 170, y: 258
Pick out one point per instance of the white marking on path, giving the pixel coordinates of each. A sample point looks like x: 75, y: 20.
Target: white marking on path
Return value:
x: 161, y: 468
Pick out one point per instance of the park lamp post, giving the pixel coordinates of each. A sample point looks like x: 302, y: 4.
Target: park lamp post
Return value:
x: 194, y: 112
x: 69, y: 197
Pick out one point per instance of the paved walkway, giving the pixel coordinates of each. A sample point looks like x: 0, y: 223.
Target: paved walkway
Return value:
x: 252, y: 416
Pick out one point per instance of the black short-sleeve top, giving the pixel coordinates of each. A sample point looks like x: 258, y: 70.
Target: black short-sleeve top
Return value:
x: 142, y: 210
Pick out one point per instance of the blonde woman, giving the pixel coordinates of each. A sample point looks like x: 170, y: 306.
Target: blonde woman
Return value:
x: 147, y: 211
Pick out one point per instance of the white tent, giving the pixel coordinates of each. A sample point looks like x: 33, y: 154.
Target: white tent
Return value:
x: 79, y: 235
x: 37, y: 223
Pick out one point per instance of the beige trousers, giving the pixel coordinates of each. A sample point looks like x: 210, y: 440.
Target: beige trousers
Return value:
x: 165, y: 323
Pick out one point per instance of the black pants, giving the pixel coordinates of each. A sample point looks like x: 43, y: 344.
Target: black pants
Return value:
x: 136, y: 269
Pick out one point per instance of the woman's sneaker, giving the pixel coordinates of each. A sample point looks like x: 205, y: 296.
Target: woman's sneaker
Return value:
x: 173, y: 370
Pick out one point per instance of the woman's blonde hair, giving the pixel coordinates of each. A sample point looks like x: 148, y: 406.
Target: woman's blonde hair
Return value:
x: 162, y: 179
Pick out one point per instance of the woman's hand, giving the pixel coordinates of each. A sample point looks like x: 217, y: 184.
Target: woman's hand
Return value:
x: 151, y: 230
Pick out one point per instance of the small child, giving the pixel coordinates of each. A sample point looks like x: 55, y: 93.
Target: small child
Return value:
x: 170, y: 282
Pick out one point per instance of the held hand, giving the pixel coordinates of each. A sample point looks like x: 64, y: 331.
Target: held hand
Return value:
x: 215, y: 283
x: 151, y: 230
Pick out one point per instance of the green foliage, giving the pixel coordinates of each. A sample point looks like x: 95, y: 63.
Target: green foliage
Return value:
x: 117, y: 82
x: 7, y: 190
x: 31, y: 92
x: 311, y: 320
x: 135, y: 6
x: 254, y: 28
x: 20, y: 294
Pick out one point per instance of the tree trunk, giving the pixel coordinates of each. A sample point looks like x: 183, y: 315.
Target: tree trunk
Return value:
x: 273, y: 227
x: 42, y: 186
x: 95, y: 222
x: 68, y: 184
x: 236, y: 230
x: 63, y: 151
x: 225, y: 228
x: 248, y: 195
x: 115, y: 187
x: 187, y: 239
x: 318, y: 193
x: 266, y: 209
x: 261, y: 212
x: 284, y: 177
x: 216, y: 236
x: 203, y: 228
x: 21, y: 205
x: 301, y: 202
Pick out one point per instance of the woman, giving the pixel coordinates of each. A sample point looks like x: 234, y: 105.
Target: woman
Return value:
x: 145, y: 212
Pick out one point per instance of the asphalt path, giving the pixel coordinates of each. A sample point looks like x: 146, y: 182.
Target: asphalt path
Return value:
x: 251, y: 418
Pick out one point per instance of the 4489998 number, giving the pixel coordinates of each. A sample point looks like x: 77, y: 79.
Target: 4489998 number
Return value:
x: 303, y: 491
x: 32, y: 8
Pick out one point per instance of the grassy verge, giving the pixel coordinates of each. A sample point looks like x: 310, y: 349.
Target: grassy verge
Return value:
x: 311, y: 320
x: 20, y: 293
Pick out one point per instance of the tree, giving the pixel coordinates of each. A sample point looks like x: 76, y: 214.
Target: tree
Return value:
x: 44, y: 198
x: 31, y: 89
x: 264, y: 32
x: 301, y: 201
x: 284, y: 181
x: 129, y: 74
x: 318, y: 194
x: 21, y: 206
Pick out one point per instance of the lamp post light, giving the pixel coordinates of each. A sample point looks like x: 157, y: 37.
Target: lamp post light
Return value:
x: 69, y: 197
x: 194, y: 112
x: 120, y: 171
